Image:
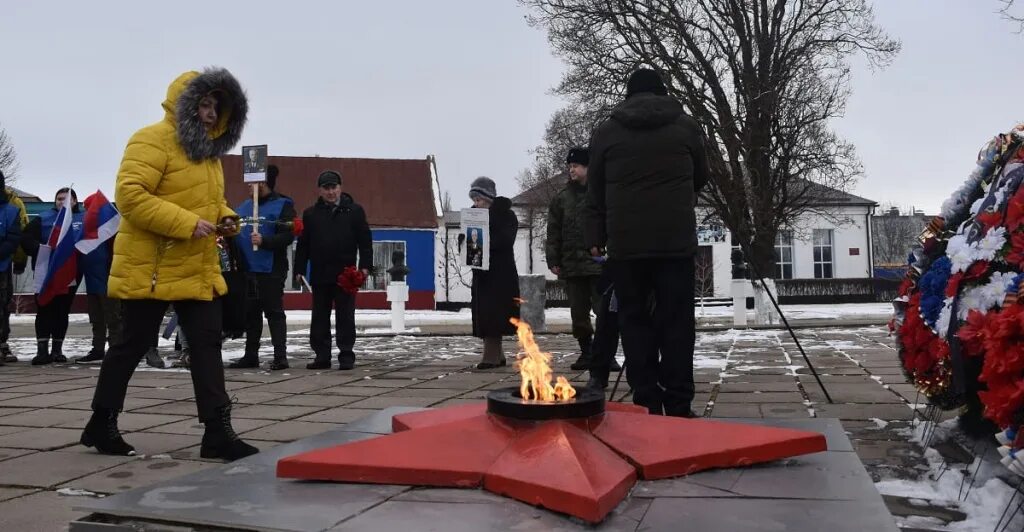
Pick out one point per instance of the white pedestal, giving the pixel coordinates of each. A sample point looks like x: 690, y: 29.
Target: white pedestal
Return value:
x: 740, y: 290
x: 398, y: 295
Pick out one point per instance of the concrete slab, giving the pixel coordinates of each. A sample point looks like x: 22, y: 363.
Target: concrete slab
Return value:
x: 246, y: 494
x: 44, y: 511
x: 44, y: 470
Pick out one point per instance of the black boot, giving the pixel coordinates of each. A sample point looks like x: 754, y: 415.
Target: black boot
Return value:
x: 93, y: 356
x: 279, y: 362
x: 246, y: 362
x: 320, y: 363
x: 184, y: 360
x: 57, y: 352
x: 6, y: 354
x: 220, y: 440
x: 583, y: 362
x: 596, y: 382
x: 42, y: 353
x: 101, y: 432
x: 154, y: 360
x: 346, y: 360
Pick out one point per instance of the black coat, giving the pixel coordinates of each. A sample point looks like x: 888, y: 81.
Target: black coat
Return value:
x: 647, y: 164
x: 496, y: 290
x: 331, y: 237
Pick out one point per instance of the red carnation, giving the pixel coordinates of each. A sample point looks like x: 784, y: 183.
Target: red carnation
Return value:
x: 953, y: 285
x: 905, y: 286
x: 1016, y: 255
x: 976, y: 271
x: 988, y: 219
x: 297, y: 227
x: 351, y: 279
x: 1015, y: 211
x: 972, y: 332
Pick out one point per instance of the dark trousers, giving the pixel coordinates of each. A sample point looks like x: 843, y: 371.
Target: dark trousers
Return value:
x: 52, y: 318
x: 583, y: 297
x: 324, y: 297
x: 606, y: 336
x: 201, y: 321
x: 106, y: 319
x: 264, y: 297
x: 6, y: 297
x: 656, y: 317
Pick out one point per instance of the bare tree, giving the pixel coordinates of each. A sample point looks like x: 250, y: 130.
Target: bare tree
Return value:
x: 8, y: 157
x: 764, y: 78
x: 1007, y: 12
x: 446, y: 201
x: 704, y: 277
x: 894, y: 234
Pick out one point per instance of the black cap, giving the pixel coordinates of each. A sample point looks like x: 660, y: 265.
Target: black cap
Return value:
x: 579, y: 156
x: 328, y: 177
x: 645, y: 80
x: 272, y: 176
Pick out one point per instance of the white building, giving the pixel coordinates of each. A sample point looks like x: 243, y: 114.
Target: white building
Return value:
x: 832, y: 241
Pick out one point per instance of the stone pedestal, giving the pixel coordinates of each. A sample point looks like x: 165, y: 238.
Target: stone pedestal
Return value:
x: 740, y: 290
x: 532, y: 289
x: 398, y: 294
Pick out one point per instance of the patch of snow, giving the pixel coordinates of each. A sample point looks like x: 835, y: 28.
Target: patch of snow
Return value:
x: 879, y: 422
x: 75, y: 492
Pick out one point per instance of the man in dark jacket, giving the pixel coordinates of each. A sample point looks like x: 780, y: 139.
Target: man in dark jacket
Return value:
x: 10, y: 238
x: 267, y: 267
x: 647, y: 165
x: 333, y: 232
x: 568, y: 256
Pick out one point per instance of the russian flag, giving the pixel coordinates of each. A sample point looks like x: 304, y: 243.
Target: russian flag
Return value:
x: 100, y: 224
x: 56, y: 264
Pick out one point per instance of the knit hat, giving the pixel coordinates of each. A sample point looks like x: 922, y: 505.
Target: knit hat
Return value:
x: 579, y: 156
x: 645, y: 80
x: 483, y: 186
x: 328, y: 177
x: 271, y: 176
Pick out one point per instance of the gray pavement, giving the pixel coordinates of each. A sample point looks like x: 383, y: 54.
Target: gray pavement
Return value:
x: 745, y: 374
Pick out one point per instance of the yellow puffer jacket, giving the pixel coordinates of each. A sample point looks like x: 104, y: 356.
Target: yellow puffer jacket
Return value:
x: 170, y: 178
x: 20, y: 258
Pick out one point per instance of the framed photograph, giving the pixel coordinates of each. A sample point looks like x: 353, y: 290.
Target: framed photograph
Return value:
x: 254, y: 163
x: 475, y: 229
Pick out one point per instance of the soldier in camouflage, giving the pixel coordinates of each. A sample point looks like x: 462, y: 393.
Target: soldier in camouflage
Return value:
x: 568, y: 257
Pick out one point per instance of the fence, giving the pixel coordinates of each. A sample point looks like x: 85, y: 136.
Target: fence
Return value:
x: 815, y: 291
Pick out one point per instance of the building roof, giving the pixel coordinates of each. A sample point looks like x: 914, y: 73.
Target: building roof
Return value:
x: 394, y: 192
x: 540, y: 193
x: 25, y: 196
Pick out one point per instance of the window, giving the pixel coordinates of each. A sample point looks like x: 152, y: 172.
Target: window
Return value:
x: 823, y: 254
x: 784, y: 255
x: 379, y: 278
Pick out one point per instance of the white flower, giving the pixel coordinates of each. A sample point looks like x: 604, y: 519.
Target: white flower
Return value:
x: 992, y: 242
x: 960, y: 254
x: 986, y: 296
x: 942, y: 324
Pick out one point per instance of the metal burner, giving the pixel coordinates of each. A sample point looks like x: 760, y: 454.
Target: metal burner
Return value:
x: 507, y: 402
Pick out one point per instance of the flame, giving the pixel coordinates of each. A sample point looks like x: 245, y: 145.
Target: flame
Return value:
x: 533, y: 365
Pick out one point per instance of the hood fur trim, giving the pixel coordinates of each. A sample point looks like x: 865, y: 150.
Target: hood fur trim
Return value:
x: 195, y: 140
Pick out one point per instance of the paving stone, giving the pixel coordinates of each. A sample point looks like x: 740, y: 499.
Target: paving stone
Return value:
x: 287, y: 431
x: 132, y: 421
x: 384, y: 402
x: 778, y: 410
x: 40, y: 438
x: 192, y: 453
x: 902, y: 507
x: 39, y: 401
x: 437, y: 393
x: 48, y: 469
x: 317, y: 400
x: 195, y: 428
x: 167, y: 394
x: 47, y: 417
x: 11, y: 493
x: 175, y: 408
x: 760, y: 397
x: 351, y: 391
x: 746, y: 387
x: 43, y: 511
x: 275, y: 412
x: 7, y: 454
x: 7, y: 429
x: 338, y: 415
x: 47, y: 388
x: 885, y: 412
x: 145, y: 443
x: 10, y: 411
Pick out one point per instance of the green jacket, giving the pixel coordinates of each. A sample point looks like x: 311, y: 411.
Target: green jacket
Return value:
x: 565, y: 247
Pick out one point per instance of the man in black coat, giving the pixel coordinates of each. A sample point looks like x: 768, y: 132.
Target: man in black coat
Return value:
x: 334, y: 232
x: 647, y: 165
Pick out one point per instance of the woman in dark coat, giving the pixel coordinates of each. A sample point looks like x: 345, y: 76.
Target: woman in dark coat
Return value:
x: 495, y: 290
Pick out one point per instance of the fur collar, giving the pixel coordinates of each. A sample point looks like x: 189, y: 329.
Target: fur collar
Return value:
x: 194, y: 139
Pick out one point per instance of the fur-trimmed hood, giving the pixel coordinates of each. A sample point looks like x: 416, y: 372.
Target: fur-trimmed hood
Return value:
x: 182, y: 111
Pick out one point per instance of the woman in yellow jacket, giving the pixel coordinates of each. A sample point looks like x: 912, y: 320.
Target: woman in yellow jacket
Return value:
x: 170, y: 191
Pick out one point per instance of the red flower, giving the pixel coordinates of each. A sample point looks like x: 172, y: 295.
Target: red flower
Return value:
x: 1003, y: 399
x: 351, y: 279
x: 953, y: 285
x: 972, y: 333
x: 989, y: 219
x: 1015, y: 211
x: 976, y: 271
x: 297, y: 227
x: 1016, y: 255
x: 905, y: 286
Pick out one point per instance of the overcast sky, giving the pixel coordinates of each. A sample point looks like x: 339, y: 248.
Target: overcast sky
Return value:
x: 466, y: 80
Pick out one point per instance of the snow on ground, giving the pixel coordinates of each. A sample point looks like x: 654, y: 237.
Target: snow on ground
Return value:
x: 983, y: 505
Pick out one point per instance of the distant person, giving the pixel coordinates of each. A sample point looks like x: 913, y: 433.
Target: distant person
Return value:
x: 170, y: 191
x: 266, y: 270
x: 105, y: 314
x: 19, y: 262
x: 10, y: 238
x: 568, y: 256
x: 335, y: 235
x: 495, y: 291
x: 52, y: 318
x: 647, y: 165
